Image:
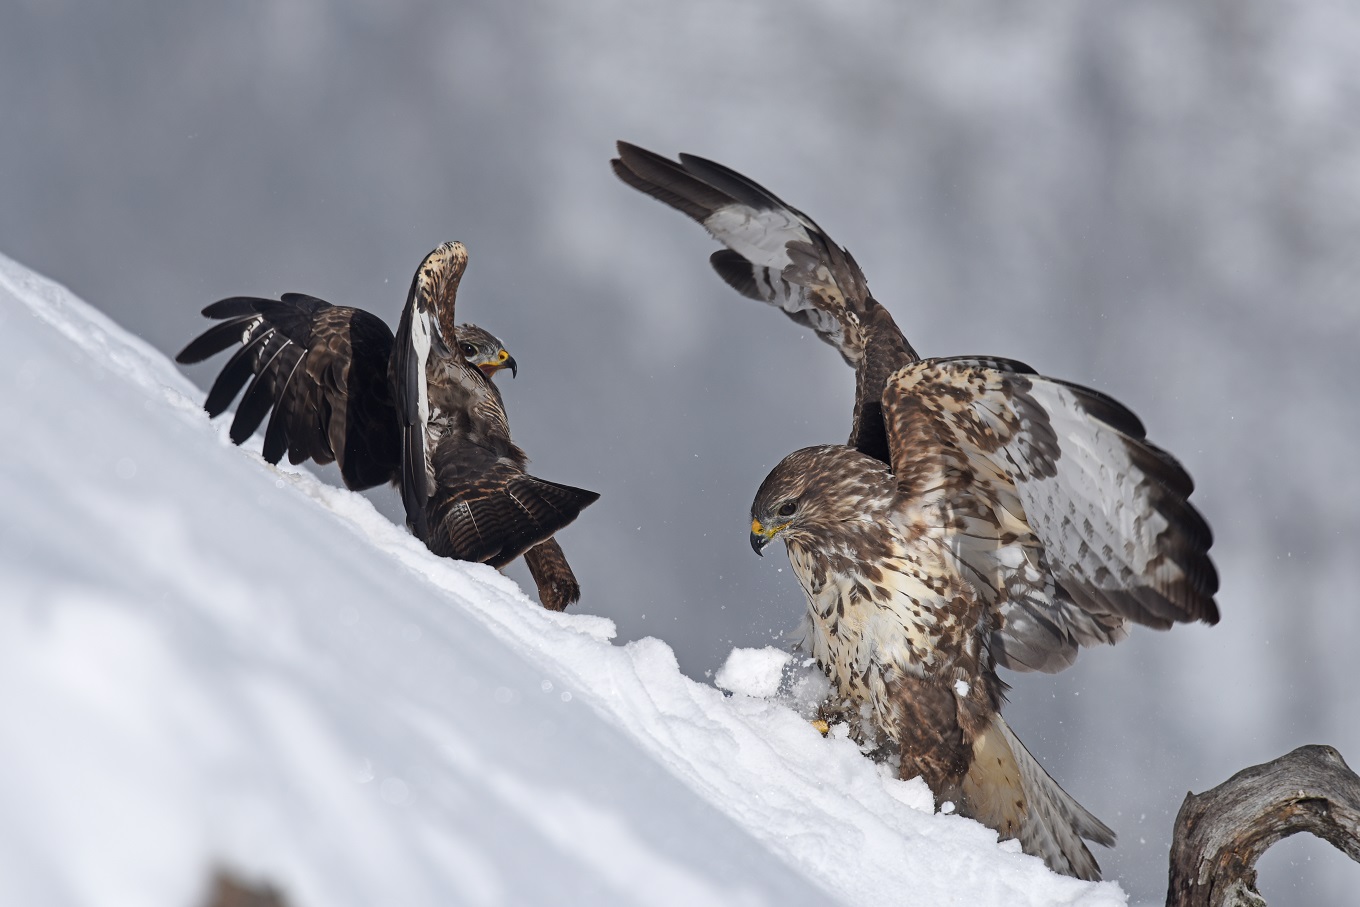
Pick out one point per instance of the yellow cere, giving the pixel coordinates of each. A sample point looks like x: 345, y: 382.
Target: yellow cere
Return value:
x: 768, y: 532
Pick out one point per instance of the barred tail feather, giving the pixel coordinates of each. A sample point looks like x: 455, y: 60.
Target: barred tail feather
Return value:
x: 496, y: 525
x: 1007, y: 789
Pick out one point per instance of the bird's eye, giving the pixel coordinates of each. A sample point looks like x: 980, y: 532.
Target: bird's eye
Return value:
x: 469, y: 350
x: 787, y: 508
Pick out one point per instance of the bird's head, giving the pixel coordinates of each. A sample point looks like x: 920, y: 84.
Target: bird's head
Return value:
x: 481, y: 349
x: 816, y: 488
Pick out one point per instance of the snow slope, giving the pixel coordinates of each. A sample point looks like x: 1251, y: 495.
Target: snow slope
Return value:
x: 206, y: 661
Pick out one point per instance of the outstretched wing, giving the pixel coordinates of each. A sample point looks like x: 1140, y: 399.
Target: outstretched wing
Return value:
x: 1055, y: 501
x: 778, y: 255
x: 323, y: 371
x: 775, y: 253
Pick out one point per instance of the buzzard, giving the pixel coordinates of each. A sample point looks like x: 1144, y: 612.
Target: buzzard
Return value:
x: 418, y: 410
x: 901, y: 628
x: 980, y: 515
x: 1105, y: 533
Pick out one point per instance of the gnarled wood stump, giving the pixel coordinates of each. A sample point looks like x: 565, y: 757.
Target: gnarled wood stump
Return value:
x: 1221, y: 833
x: 230, y: 890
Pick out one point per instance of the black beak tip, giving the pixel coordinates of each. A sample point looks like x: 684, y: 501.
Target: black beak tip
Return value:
x: 758, y: 543
x: 513, y: 366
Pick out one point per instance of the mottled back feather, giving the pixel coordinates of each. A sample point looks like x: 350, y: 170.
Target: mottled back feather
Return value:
x: 1070, y: 494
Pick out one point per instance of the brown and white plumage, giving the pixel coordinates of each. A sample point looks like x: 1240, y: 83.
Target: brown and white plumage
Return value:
x: 903, y: 632
x: 342, y: 388
x: 1104, y: 532
x: 778, y: 255
x: 979, y: 515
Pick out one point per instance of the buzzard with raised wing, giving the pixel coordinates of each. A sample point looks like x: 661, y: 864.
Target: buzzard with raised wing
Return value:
x: 419, y: 410
x: 1132, y: 548
x: 980, y: 515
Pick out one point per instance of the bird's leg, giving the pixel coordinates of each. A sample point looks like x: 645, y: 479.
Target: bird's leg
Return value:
x: 557, y: 585
x: 932, y: 742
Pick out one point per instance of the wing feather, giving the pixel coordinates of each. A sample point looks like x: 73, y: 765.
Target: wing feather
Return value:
x: 1057, y: 501
x: 410, y: 387
x: 775, y: 253
x: 322, y: 369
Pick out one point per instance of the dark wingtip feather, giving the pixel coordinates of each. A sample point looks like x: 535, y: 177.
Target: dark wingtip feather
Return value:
x: 260, y: 396
x: 214, y: 340
x: 737, y: 272
x: 667, y: 182
x: 233, y: 377
x: 275, y: 436
x: 1107, y: 409
x: 740, y: 187
x: 236, y: 307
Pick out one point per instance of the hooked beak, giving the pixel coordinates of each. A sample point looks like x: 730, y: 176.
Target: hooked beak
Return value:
x: 760, y: 537
x: 503, y: 360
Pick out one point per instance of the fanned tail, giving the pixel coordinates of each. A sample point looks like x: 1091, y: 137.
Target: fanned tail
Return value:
x: 1007, y: 789
x: 494, y: 523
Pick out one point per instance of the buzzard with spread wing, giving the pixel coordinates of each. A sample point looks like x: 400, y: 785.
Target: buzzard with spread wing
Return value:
x: 980, y: 515
x: 419, y: 410
x: 918, y: 572
x: 1127, y: 496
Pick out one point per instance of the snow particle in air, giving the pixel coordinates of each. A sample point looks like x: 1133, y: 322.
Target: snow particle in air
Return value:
x: 503, y: 695
x: 364, y: 773
x: 546, y: 686
x: 566, y: 697
x: 125, y: 468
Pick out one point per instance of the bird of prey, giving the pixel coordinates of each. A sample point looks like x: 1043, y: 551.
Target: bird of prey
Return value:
x: 901, y: 629
x: 980, y: 515
x: 418, y: 410
x: 1104, y: 525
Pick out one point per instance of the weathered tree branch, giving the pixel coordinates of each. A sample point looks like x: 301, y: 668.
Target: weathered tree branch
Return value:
x: 229, y: 890
x: 1221, y: 833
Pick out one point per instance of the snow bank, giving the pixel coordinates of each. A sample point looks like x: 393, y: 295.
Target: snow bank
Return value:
x: 753, y: 672
x: 207, y: 661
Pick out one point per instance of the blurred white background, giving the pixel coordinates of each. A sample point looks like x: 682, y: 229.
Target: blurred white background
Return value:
x: 1157, y: 199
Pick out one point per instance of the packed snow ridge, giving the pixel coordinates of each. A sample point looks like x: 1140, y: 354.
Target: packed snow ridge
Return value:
x: 207, y: 662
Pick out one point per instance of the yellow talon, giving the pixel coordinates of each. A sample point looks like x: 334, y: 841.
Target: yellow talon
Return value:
x: 822, y: 727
